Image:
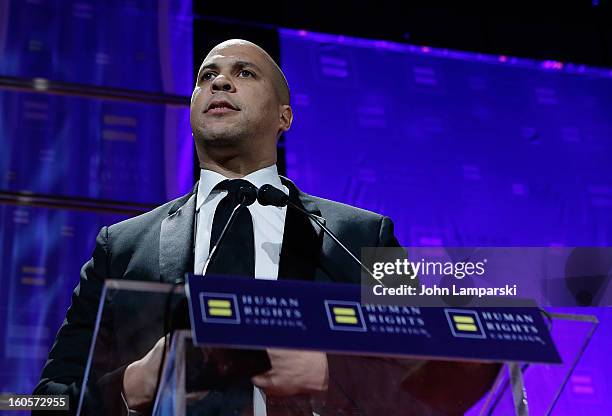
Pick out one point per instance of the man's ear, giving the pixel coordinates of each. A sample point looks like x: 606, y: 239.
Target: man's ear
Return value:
x: 286, y: 118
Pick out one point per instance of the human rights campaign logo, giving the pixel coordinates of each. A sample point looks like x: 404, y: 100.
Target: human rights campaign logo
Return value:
x: 464, y: 323
x: 344, y: 316
x: 220, y: 308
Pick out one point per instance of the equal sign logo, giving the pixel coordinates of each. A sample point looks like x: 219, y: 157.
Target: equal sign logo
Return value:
x: 464, y: 323
x: 582, y: 386
x: 220, y: 308
x: 344, y: 316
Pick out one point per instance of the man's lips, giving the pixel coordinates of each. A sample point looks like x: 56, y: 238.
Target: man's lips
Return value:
x: 220, y: 110
x: 220, y: 107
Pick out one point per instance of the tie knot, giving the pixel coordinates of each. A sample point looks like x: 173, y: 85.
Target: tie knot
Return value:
x: 233, y: 186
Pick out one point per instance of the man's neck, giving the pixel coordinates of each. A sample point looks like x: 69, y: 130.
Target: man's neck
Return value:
x: 235, y: 167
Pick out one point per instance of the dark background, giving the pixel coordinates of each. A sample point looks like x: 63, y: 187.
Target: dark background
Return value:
x: 577, y: 31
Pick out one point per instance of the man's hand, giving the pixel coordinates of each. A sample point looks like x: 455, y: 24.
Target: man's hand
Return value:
x: 294, y: 372
x: 140, y: 378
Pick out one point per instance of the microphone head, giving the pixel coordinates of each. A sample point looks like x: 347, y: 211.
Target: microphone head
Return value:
x: 247, y: 194
x: 269, y: 195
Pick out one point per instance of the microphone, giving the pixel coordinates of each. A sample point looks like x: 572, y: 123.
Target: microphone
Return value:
x: 246, y: 195
x: 269, y: 195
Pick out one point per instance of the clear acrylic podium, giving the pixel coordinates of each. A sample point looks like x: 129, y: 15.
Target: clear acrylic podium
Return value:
x: 134, y: 315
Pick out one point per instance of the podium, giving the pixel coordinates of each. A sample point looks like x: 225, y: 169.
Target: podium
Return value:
x: 367, y: 376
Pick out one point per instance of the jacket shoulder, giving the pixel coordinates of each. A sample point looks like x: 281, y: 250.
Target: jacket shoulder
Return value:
x: 341, y: 210
x: 146, y: 220
x: 333, y: 209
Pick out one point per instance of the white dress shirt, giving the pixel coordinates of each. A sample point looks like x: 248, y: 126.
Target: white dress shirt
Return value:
x: 268, y: 227
x: 268, y: 221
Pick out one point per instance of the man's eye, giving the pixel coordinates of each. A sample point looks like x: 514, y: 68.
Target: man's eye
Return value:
x: 245, y: 73
x: 207, y: 76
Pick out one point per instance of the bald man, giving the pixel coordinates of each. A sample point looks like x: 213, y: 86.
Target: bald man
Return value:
x: 240, y: 134
x: 240, y: 106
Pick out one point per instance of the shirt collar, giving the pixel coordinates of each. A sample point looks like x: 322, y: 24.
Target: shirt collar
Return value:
x: 209, y: 179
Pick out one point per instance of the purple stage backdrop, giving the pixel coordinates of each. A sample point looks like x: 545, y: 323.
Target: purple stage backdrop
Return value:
x: 461, y: 149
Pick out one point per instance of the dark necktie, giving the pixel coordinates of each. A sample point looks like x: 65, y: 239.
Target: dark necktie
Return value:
x: 236, y: 253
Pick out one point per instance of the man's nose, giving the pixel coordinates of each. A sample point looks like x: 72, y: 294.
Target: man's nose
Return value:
x: 222, y: 83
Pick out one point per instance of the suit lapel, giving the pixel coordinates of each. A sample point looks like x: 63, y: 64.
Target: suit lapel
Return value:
x: 176, y: 239
x: 302, y: 238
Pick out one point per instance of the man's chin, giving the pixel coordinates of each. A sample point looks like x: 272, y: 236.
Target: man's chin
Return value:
x: 219, y: 136
x: 224, y: 140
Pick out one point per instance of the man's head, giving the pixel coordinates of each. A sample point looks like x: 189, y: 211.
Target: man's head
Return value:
x: 240, y: 103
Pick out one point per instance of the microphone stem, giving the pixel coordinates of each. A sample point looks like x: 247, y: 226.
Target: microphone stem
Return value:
x: 336, y: 239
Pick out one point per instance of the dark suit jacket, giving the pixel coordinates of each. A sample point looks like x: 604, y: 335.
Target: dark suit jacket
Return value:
x: 158, y: 246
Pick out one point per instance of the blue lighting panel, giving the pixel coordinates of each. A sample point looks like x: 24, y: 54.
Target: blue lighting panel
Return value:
x: 102, y: 149
x: 72, y: 147
x: 139, y: 45
x: 41, y: 253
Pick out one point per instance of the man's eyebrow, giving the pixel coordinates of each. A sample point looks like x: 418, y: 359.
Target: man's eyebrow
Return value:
x: 235, y: 64
x: 242, y: 64
x: 209, y: 66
